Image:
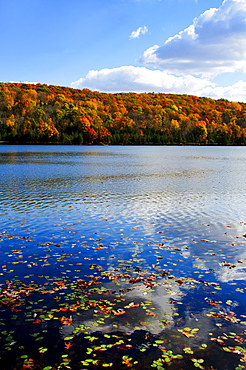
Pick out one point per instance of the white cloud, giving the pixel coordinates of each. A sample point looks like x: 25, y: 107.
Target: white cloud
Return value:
x: 235, y: 92
x: 141, y: 79
x: 213, y: 44
x: 138, y: 32
x: 24, y: 82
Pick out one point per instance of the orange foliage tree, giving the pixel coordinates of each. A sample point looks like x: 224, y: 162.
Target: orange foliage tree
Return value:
x: 45, y: 113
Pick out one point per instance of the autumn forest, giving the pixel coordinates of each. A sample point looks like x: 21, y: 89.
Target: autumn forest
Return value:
x: 37, y: 113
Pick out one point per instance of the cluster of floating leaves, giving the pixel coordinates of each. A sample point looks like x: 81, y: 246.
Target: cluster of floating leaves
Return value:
x: 102, y: 312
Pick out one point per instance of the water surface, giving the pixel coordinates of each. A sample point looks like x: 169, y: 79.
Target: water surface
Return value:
x: 158, y: 233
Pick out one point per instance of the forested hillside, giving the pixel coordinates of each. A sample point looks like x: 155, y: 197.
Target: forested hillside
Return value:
x: 36, y: 113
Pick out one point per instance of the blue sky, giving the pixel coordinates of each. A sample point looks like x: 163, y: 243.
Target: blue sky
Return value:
x: 177, y: 46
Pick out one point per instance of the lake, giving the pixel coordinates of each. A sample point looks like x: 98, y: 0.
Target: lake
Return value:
x: 122, y: 257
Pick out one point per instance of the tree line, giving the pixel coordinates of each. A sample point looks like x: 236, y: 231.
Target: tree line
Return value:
x: 38, y: 113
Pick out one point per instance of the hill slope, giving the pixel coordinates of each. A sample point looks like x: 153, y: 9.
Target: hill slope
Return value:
x: 36, y: 113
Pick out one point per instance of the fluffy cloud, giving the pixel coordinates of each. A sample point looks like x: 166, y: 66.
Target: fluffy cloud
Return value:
x: 138, y: 32
x: 213, y: 44
x: 141, y: 79
x: 235, y: 92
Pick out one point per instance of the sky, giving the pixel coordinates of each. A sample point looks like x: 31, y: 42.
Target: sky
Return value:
x: 195, y: 47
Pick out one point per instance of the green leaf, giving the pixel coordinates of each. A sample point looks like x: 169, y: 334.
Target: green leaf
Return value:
x: 179, y: 357
x: 42, y: 350
x: 203, y: 346
x: 68, y: 338
x: 226, y: 349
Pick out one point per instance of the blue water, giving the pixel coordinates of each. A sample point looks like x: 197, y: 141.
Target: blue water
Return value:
x: 138, y: 211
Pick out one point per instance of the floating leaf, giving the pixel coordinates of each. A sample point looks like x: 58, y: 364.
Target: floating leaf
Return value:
x: 68, y: 338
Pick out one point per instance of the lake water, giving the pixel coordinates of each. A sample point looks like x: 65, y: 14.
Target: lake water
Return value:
x: 122, y: 257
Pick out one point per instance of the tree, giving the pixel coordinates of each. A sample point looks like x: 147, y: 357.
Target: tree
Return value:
x: 201, y: 132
